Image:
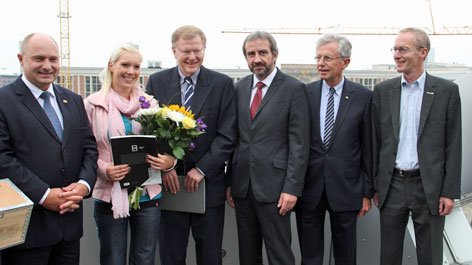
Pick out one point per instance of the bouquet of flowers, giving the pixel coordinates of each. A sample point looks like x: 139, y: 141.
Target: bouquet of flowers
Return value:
x: 173, y: 125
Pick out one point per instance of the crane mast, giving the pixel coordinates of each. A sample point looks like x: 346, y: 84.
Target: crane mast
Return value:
x: 65, y: 76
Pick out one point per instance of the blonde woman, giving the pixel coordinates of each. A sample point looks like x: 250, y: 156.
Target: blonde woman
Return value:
x: 109, y: 111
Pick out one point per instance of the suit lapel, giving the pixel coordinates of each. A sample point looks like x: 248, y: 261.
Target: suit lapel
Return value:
x: 428, y: 98
x: 65, y: 106
x: 33, y: 106
x: 245, y: 101
x: 316, y: 97
x: 395, y: 97
x: 347, y: 96
x: 202, y: 90
x: 173, y: 94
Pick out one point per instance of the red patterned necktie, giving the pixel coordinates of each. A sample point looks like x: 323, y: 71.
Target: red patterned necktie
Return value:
x: 257, y: 99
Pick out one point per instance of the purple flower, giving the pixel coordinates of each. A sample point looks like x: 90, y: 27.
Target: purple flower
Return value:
x: 145, y: 104
x: 191, y: 145
x: 142, y: 99
x: 199, y: 121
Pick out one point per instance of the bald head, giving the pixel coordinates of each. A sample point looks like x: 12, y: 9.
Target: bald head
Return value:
x: 36, y: 36
x: 40, y: 60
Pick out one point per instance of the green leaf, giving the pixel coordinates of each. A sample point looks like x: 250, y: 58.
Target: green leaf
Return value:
x: 178, y: 152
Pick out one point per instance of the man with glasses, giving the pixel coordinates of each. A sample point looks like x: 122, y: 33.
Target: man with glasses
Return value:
x: 339, y: 175
x: 417, y: 152
x: 209, y: 95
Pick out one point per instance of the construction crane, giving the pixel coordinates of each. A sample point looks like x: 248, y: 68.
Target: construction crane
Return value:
x: 64, y: 76
x: 466, y: 30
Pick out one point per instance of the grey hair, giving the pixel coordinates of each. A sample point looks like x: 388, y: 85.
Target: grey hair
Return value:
x: 261, y: 35
x: 421, y: 38
x: 186, y: 33
x: 344, y: 45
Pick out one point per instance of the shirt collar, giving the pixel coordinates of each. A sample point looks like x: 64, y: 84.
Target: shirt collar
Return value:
x: 194, y: 77
x: 420, y: 81
x: 338, y: 87
x: 267, y: 81
x: 35, y: 90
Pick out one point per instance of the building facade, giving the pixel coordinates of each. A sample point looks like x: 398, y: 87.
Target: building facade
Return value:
x: 85, y: 80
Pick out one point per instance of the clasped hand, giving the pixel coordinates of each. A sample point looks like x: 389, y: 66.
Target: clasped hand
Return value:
x: 65, y: 199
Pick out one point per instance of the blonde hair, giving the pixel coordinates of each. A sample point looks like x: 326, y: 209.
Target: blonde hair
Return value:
x: 106, y: 75
x: 187, y: 32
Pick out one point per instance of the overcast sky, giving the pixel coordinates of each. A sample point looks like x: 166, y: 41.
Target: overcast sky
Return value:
x: 98, y: 26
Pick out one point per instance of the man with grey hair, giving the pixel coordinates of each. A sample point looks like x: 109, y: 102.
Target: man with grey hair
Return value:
x: 417, y: 152
x: 339, y: 175
x: 269, y: 164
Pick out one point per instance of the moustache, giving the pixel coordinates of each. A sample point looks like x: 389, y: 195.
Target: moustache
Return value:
x: 258, y: 64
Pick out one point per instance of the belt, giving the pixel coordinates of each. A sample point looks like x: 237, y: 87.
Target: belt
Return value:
x: 105, y: 207
x: 406, y: 173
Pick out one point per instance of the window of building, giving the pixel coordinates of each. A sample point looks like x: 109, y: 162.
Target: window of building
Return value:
x: 87, y: 86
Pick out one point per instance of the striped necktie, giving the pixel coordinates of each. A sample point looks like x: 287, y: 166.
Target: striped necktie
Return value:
x: 329, y: 119
x: 188, y: 92
x: 51, y: 113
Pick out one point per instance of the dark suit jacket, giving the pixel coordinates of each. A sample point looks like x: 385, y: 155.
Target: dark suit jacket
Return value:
x: 272, y: 151
x: 34, y: 158
x: 345, y: 168
x: 439, y: 138
x: 213, y: 100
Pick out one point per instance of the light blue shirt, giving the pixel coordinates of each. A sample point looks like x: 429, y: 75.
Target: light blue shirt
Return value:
x: 410, y: 111
x: 324, y: 103
x: 183, y: 85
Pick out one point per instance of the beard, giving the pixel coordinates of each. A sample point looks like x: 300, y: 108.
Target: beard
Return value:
x: 261, y: 73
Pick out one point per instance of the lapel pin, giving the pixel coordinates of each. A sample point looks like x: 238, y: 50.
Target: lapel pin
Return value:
x: 431, y: 93
x: 64, y: 101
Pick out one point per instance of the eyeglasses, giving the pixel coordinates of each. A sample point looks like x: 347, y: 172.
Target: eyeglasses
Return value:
x: 403, y: 50
x: 195, y: 52
x: 326, y: 58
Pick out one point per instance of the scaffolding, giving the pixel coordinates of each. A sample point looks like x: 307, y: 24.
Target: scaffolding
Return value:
x: 64, y: 76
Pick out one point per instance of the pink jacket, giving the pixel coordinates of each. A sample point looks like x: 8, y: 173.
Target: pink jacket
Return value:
x: 96, y: 107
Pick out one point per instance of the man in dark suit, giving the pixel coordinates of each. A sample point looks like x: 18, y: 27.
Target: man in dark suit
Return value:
x: 53, y: 160
x: 209, y: 95
x: 269, y: 164
x: 417, y: 152
x: 339, y: 175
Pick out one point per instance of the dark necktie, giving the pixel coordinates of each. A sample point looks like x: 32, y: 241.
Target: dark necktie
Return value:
x: 257, y: 99
x: 329, y: 119
x: 188, y: 92
x: 51, y: 113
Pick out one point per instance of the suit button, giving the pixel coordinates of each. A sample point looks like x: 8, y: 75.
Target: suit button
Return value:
x: 62, y: 171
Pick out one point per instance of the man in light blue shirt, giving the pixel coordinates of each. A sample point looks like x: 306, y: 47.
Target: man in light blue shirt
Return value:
x: 417, y: 152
